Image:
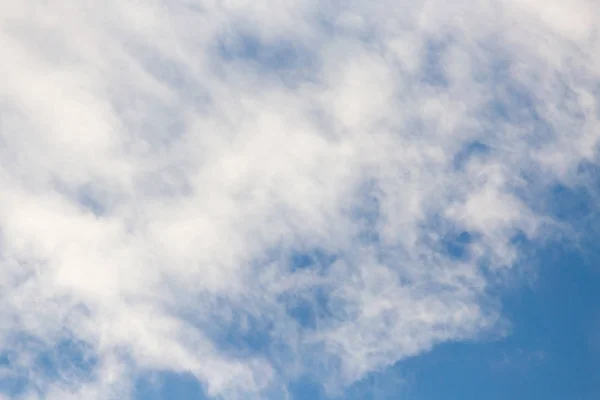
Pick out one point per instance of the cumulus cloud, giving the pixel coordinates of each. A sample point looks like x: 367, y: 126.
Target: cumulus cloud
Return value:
x: 251, y: 192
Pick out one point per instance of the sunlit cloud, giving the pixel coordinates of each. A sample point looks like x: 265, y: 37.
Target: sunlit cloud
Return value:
x: 253, y: 192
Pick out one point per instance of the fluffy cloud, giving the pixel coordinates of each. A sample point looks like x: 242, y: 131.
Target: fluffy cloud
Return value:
x: 253, y: 191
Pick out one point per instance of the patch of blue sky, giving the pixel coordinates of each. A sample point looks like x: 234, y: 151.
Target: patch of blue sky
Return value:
x: 366, y: 213
x: 447, y: 239
x: 161, y: 385
x: 66, y: 361
x: 308, y: 309
x: 590, y: 172
x: 247, y: 335
x: 12, y: 383
x: 456, y: 245
x: 573, y: 203
x: 87, y: 197
x: 290, y: 61
x: 552, y: 350
x: 512, y: 101
x: 13, y: 386
x: 432, y: 71
x: 68, y: 358
x: 236, y: 333
x: 306, y: 388
x: 549, y: 353
x: 381, y: 385
x: 271, y: 56
x: 92, y: 196
x: 473, y: 149
x: 242, y: 334
x: 315, y: 260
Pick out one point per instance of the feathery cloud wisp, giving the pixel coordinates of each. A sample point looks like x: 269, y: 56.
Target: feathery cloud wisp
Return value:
x: 252, y: 191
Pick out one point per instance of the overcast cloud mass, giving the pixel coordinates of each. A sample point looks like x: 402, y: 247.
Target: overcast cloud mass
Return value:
x: 252, y: 192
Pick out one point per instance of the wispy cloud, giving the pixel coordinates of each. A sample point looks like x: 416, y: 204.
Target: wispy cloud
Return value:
x: 255, y: 191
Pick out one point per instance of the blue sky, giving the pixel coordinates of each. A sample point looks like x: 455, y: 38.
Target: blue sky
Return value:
x: 551, y: 351
x: 298, y: 200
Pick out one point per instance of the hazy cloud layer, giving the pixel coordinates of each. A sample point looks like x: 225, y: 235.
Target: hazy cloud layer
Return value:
x: 253, y: 191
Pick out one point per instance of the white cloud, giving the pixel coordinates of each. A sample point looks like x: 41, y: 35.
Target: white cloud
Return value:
x: 156, y: 177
